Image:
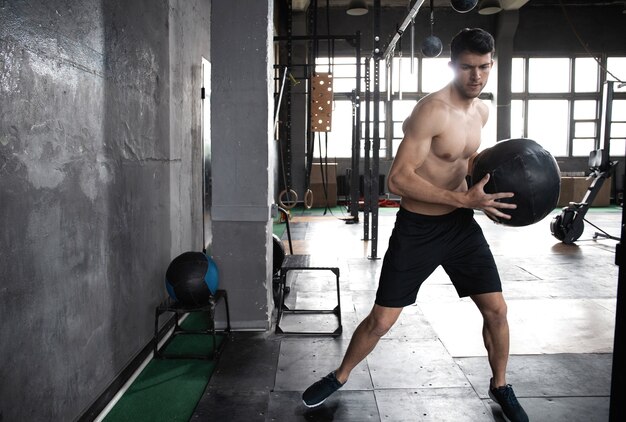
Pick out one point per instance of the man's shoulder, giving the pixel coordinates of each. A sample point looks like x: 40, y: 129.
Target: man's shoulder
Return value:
x: 432, y: 114
x: 435, y: 102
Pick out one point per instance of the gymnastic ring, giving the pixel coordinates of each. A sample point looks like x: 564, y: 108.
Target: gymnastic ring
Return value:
x: 308, y: 199
x: 292, y: 203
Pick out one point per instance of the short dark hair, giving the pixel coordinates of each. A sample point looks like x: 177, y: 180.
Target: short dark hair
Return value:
x: 473, y: 40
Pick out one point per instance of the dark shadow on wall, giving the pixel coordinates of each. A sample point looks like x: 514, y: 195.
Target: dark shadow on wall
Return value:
x: 84, y: 194
x: 136, y: 147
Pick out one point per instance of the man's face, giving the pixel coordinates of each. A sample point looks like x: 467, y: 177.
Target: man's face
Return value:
x: 471, y: 72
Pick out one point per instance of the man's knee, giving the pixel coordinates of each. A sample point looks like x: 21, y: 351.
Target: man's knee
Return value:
x: 377, y: 326
x: 379, y: 323
x: 492, y: 306
x: 495, y: 314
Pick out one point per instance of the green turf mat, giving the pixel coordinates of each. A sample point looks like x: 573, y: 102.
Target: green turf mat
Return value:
x: 195, y: 344
x: 196, y: 321
x: 166, y: 390
x: 610, y: 209
x: 169, y: 389
x: 337, y: 211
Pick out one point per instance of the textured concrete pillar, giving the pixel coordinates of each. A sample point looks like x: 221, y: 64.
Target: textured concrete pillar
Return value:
x: 242, y: 156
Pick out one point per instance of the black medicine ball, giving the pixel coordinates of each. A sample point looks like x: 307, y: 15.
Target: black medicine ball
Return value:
x: 279, y: 253
x: 523, y: 167
x: 463, y: 6
x: 431, y: 46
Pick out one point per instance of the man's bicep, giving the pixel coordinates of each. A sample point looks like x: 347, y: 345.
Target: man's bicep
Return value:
x: 412, y: 151
x: 470, y: 163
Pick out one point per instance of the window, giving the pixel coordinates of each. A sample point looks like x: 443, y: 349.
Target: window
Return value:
x: 435, y: 74
x: 340, y: 137
x: 339, y: 143
x: 517, y: 75
x: 488, y: 135
x: 617, y: 66
x: 585, y: 127
x: 548, y: 123
x: 343, y: 70
x: 382, y: 118
x: 548, y: 75
x: 401, y: 109
x: 402, y: 78
x: 618, y: 127
x: 517, y: 119
x: 556, y: 101
x: 586, y: 75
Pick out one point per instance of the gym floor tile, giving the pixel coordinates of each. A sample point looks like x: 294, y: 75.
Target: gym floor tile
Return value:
x: 432, y: 364
x: 561, y: 375
x: 305, y: 324
x: 537, y: 240
x: 312, y: 299
x: 247, y: 364
x: 574, y: 288
x: 312, y: 281
x: 357, y: 282
x: 302, y: 361
x: 423, y: 363
x: 536, y: 326
x: 567, y: 409
x: 567, y: 271
x: 363, y: 298
x: 235, y: 406
x: 343, y: 406
x: 410, y: 325
x: 515, y: 272
x: 432, y: 405
x: 437, y: 292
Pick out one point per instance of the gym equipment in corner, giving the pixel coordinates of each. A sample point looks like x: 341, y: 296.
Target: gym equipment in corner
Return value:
x: 569, y: 225
x: 191, y: 281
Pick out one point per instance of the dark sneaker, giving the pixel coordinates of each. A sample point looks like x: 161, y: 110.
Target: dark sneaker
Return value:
x: 320, y: 390
x: 511, y: 408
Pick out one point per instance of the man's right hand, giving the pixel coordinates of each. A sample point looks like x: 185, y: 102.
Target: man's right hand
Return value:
x: 476, y: 198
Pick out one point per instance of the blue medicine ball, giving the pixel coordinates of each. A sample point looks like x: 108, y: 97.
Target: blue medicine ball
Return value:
x: 523, y: 167
x: 192, y: 279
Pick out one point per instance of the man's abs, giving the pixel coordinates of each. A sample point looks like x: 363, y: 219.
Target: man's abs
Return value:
x: 426, y: 208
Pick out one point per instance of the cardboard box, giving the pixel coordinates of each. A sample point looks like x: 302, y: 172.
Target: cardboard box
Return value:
x: 573, y: 189
x: 317, y: 186
x: 319, y: 199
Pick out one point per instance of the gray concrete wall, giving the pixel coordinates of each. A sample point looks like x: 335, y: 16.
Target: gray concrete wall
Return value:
x: 189, y: 42
x: 243, y: 161
x: 97, y: 188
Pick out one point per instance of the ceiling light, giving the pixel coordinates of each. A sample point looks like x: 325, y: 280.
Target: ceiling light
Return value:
x: 357, y: 8
x: 489, y: 7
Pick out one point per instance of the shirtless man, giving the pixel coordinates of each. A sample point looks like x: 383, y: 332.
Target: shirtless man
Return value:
x: 435, y: 224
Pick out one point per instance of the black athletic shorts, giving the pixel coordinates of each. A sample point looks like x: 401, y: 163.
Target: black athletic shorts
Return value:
x: 420, y: 243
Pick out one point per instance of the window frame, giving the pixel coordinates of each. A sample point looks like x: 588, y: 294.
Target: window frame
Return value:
x: 572, y: 96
